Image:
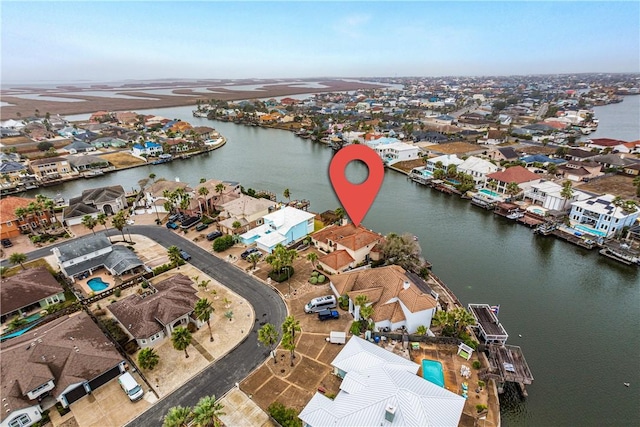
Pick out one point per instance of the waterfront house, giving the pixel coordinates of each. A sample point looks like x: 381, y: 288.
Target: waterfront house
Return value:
x: 73, y: 214
x: 205, y: 132
x: 59, y: 362
x: 399, y: 298
x: 283, y: 226
x: 29, y: 290
x: 478, y: 168
x: 397, y: 152
x: 158, y: 194
x: 83, y: 163
x: 579, y: 171
x: 86, y: 254
x: 548, y: 194
x: 12, y: 171
x: 149, y: 148
x: 109, y: 141
x: 219, y: 193
x: 345, y: 246
x: 50, y: 168
x: 615, y: 161
x: 380, y: 388
x: 109, y: 200
x: 606, y: 144
x: 601, y: 217
x: 248, y: 211
x: 521, y: 176
x: 153, y: 315
x: 12, y: 226
x: 445, y: 160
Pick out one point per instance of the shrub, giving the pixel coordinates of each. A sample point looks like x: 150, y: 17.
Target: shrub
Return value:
x: 286, y: 417
x: 343, y: 302
x: 191, y: 327
x: 131, y: 347
x: 355, y: 328
x: 100, y: 312
x: 314, y: 274
x: 115, y: 331
x: 481, y: 384
x: 480, y: 407
x: 117, y: 292
x: 145, y: 285
x: 313, y: 280
x: 321, y: 278
x: 223, y: 243
x: 476, y: 364
x: 162, y: 268
x: 282, y: 275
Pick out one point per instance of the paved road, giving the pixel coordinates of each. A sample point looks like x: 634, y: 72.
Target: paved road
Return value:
x: 221, y: 376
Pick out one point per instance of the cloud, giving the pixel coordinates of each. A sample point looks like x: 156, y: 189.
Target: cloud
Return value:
x: 352, y: 26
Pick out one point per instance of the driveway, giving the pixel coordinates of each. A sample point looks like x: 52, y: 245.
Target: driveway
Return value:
x: 221, y: 376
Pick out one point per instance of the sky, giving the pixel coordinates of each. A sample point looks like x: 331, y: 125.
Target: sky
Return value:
x: 115, y: 41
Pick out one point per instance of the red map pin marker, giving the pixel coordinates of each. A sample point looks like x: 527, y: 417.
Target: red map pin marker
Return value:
x: 356, y: 198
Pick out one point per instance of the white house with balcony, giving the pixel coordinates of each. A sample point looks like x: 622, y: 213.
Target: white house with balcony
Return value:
x: 397, y: 152
x: 446, y: 160
x: 548, y: 194
x: 601, y: 217
x: 478, y: 168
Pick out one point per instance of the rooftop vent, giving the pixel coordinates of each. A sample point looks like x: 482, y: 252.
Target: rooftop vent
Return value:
x: 406, y: 284
x: 389, y: 413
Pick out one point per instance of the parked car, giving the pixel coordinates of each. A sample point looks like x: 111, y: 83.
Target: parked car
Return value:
x: 172, y: 225
x: 202, y: 226
x: 174, y: 217
x: 130, y: 386
x: 328, y: 314
x: 245, y: 254
x: 6, y: 243
x: 214, y: 235
x: 185, y: 255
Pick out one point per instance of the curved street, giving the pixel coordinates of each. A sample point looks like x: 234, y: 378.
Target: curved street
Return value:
x: 221, y: 376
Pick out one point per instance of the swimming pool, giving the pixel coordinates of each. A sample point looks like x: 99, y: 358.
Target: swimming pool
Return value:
x: 432, y: 371
x: 590, y: 230
x: 97, y: 284
x: 489, y: 192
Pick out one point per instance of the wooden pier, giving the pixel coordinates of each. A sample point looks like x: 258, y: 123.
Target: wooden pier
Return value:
x: 572, y: 238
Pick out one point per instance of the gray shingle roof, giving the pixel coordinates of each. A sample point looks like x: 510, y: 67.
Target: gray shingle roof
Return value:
x: 83, y: 246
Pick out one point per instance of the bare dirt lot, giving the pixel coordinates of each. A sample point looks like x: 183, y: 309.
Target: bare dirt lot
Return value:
x: 122, y: 159
x: 455, y: 148
x: 409, y: 164
x: 618, y: 185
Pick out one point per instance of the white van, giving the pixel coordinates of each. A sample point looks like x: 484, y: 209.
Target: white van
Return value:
x: 320, y: 303
x: 130, y: 386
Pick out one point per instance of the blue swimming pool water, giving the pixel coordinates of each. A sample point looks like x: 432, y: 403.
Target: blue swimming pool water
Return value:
x: 96, y: 284
x: 590, y: 230
x: 432, y: 371
x: 32, y: 318
x: 489, y: 192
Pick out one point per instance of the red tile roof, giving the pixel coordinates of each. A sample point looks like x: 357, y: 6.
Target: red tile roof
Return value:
x: 606, y: 142
x: 337, y: 260
x: 8, y: 206
x: 516, y: 174
x: 349, y: 236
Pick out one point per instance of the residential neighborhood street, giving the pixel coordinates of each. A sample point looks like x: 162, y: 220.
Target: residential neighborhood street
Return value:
x: 221, y: 376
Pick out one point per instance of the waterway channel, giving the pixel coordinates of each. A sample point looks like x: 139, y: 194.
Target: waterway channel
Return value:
x: 574, y: 313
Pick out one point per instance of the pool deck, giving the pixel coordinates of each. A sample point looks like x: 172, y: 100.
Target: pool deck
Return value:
x: 451, y: 364
x: 103, y: 274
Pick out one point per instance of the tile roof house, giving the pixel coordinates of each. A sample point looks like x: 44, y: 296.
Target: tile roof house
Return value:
x: 283, y: 226
x: 31, y: 289
x: 88, y: 253
x: 150, y: 318
x: 109, y: 200
x: 154, y: 195
x: 11, y: 225
x: 215, y: 199
x: 61, y: 361
x: 345, y: 246
x: 380, y: 388
x: 521, y: 176
x: 248, y: 211
x: 399, y: 299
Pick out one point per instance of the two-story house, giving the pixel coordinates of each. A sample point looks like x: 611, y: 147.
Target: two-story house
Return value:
x: 283, y: 226
x: 149, y: 148
x: 548, y: 194
x: 50, y: 168
x: 345, y: 246
x: 246, y: 210
x: 601, y: 217
x: 478, y: 168
x: 580, y: 171
x: 109, y: 200
x: 515, y: 174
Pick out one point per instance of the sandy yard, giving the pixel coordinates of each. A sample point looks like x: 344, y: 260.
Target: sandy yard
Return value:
x: 122, y: 159
x: 618, y: 185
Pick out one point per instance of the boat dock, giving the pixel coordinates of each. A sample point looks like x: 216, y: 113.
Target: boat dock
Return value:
x: 572, y: 238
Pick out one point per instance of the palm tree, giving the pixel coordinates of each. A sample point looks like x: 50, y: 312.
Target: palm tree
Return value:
x: 567, y: 190
x: 204, y: 191
x: 236, y: 225
x: 152, y: 176
x: 148, y: 358
x: 281, y: 257
x: 181, y: 338
x: 178, y: 416
x: 102, y: 220
x: 512, y: 189
x: 219, y: 188
x: 340, y: 213
x: 268, y: 336
x: 202, y: 311
x: 22, y: 215
x: 18, y: 258
x: 462, y: 319
x: 253, y: 259
x: 89, y: 222
x: 289, y: 328
x: 207, y: 411
x: 174, y: 255
x: 287, y: 194
x: 119, y: 222
x: 313, y: 257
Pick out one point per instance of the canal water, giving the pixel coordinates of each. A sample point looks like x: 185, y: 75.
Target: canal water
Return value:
x: 575, y: 313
